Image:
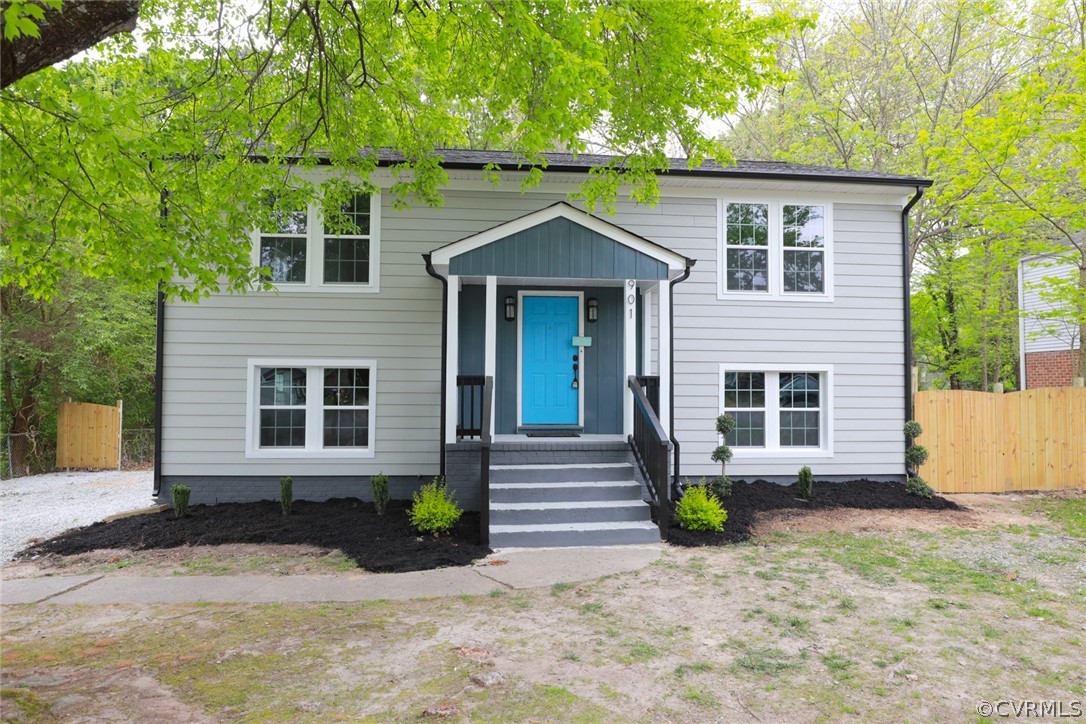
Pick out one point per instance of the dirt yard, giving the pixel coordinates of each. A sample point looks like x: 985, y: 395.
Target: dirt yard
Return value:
x: 913, y: 617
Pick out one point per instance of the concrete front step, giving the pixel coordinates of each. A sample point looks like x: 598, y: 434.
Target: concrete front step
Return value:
x: 574, y: 534
x: 598, y: 511
x: 569, y: 492
x: 576, y: 472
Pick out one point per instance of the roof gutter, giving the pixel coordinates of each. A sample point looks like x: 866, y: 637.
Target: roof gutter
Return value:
x: 444, y: 351
x: 906, y: 302
x: 671, y: 372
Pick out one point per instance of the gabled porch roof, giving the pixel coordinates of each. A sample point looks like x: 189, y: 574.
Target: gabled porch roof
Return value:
x: 559, y: 241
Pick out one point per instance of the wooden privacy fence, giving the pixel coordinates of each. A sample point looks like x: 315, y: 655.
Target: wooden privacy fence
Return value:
x: 982, y: 442
x: 88, y: 436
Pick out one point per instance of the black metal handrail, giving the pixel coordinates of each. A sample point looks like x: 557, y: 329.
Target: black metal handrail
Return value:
x: 651, y: 385
x: 469, y: 405
x: 651, y: 450
x: 484, y: 461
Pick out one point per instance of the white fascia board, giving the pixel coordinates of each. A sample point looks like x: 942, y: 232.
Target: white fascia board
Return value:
x: 442, y: 256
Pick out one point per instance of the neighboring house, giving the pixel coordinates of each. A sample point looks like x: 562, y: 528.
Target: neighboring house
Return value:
x: 1049, y: 346
x: 771, y: 291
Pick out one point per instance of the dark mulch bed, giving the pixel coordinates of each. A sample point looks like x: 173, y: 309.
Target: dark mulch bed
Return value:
x: 376, y: 543
x: 749, y: 499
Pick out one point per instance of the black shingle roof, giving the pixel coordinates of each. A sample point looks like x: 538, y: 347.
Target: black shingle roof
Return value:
x: 469, y: 159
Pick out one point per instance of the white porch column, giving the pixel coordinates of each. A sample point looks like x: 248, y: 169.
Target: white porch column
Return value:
x: 629, y: 337
x: 490, y: 354
x: 452, y: 357
x: 664, y: 294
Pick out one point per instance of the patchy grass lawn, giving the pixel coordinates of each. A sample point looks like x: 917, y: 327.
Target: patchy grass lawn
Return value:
x: 807, y: 626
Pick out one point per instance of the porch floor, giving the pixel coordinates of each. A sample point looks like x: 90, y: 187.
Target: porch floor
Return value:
x: 525, y: 440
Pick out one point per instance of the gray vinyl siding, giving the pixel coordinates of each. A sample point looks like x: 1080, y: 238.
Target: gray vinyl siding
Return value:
x: 860, y: 333
x: 1044, y: 335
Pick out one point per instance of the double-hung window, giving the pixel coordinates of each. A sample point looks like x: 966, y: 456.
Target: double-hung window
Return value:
x: 778, y: 409
x: 775, y: 250
x: 311, y: 408
x: 309, y: 250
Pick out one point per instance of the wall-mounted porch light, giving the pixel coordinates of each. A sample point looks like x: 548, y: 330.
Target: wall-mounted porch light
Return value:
x: 592, y: 309
x: 510, y: 309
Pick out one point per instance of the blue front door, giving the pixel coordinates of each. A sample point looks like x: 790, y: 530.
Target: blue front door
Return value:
x: 547, y: 354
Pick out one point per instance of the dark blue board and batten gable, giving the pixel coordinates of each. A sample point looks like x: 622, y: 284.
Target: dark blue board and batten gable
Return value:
x: 559, y: 248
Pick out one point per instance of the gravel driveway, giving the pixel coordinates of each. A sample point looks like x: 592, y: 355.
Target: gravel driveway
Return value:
x: 40, y: 506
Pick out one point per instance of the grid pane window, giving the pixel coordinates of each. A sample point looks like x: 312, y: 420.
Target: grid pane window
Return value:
x: 804, y: 236
x: 347, y: 243
x: 282, y: 406
x: 346, y: 401
x: 744, y: 399
x: 800, y: 399
x: 747, y: 247
x: 283, y: 247
x: 284, y: 256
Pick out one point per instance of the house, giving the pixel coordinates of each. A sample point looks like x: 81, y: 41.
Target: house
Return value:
x: 771, y: 291
x: 1049, y: 344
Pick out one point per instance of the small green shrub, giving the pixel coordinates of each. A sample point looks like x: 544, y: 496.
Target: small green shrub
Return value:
x: 719, y: 487
x: 700, y: 510
x: 434, y: 510
x: 916, y: 456
x: 379, y: 483
x: 181, y: 495
x: 913, y: 429
x: 918, y: 487
x: 805, y: 482
x: 286, y: 494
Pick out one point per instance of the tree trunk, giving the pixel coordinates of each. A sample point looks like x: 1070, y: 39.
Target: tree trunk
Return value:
x: 78, y: 25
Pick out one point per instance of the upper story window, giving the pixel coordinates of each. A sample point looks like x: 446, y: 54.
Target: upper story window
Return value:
x: 307, y: 251
x: 775, y: 250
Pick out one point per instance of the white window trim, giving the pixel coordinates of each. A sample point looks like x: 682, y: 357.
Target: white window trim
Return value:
x: 775, y: 292
x: 314, y: 257
x: 773, y: 447
x: 314, y: 418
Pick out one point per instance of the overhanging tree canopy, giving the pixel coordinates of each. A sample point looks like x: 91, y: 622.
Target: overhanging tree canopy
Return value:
x: 92, y: 149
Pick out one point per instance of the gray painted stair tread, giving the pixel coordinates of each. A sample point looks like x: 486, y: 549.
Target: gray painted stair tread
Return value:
x: 569, y: 466
x: 569, y: 504
x: 564, y: 484
x: 572, y: 527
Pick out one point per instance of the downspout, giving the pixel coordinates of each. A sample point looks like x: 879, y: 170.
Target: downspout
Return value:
x: 444, y: 353
x: 160, y: 329
x: 907, y: 305
x: 671, y: 373
x: 160, y: 337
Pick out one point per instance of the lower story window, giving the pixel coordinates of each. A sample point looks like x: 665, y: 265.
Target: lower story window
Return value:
x: 777, y: 409
x: 310, y: 408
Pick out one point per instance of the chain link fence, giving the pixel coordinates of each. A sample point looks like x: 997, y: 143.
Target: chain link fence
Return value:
x: 40, y: 451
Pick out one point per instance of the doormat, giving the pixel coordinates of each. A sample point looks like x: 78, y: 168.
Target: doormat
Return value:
x: 555, y: 433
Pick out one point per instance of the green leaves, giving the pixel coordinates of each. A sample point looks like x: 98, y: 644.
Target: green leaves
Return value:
x: 224, y: 100
x: 21, y: 17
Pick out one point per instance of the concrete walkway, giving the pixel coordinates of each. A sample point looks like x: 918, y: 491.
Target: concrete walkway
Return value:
x: 509, y: 570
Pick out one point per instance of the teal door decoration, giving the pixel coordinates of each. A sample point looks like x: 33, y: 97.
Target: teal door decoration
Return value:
x: 550, y: 393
